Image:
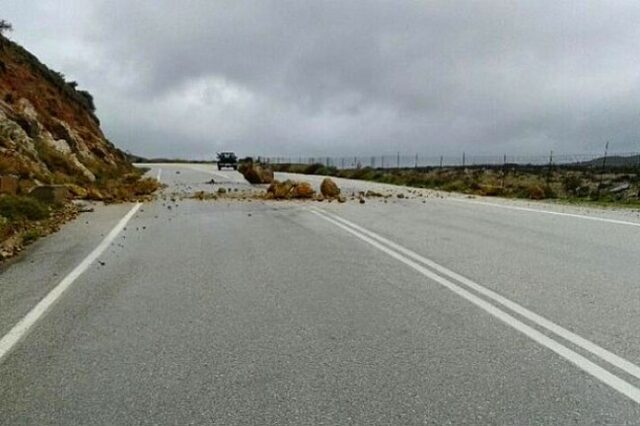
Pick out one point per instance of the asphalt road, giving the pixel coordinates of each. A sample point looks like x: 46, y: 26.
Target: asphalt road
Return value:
x: 428, y: 309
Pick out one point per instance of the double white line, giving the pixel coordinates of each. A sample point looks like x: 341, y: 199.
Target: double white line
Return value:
x: 503, y: 309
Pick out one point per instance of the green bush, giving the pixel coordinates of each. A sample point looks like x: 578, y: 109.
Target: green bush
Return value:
x: 313, y: 169
x: 20, y: 207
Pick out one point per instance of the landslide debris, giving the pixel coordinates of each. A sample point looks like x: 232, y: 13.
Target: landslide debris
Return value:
x: 255, y: 173
x: 329, y: 189
x: 290, y: 189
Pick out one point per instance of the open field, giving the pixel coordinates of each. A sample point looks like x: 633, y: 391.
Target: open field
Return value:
x: 613, y: 186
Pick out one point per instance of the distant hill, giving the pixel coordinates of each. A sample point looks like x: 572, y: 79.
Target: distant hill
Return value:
x: 614, y: 161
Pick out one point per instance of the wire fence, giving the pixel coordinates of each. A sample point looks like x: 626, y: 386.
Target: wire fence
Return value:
x: 622, y: 159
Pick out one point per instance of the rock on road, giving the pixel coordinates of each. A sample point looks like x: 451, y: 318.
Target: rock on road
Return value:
x: 428, y: 309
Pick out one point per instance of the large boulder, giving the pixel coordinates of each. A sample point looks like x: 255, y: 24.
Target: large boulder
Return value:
x: 290, y: 189
x: 255, y: 173
x: 329, y: 188
x: 280, y: 190
x: 302, y: 190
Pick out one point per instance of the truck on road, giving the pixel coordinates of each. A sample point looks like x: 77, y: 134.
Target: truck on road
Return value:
x: 227, y: 159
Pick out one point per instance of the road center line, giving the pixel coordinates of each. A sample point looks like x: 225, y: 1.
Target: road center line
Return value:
x: 528, y: 209
x: 607, y: 356
x: 575, y: 358
x: 22, y: 328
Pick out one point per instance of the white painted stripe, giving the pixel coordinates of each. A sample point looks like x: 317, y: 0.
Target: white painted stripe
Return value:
x: 527, y: 209
x: 22, y: 328
x: 604, y: 354
x: 575, y: 358
x: 159, y: 175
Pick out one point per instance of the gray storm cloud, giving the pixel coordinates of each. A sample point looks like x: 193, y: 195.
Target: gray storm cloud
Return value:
x: 351, y: 77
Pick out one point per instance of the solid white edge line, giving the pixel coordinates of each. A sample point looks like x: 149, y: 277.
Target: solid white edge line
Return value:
x: 575, y: 358
x: 22, y: 328
x: 528, y: 209
x: 607, y: 356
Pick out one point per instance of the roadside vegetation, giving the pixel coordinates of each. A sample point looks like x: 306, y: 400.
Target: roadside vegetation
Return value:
x: 24, y: 218
x: 613, y: 186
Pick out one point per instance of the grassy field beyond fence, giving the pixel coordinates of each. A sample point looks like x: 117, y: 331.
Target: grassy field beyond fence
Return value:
x: 573, y: 183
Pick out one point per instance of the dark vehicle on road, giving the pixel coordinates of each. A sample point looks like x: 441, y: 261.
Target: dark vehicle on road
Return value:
x: 227, y: 159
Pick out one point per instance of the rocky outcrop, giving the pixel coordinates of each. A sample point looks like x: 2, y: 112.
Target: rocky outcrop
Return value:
x: 51, y: 151
x: 49, y: 133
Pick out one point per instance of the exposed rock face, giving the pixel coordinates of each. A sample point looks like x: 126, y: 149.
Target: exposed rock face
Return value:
x: 329, y: 188
x: 255, y: 173
x: 48, y: 130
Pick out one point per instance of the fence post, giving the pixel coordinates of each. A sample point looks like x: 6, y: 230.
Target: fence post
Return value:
x: 382, y: 161
x: 398, y: 162
x: 463, y: 158
x: 441, y: 161
x: 504, y: 169
x: 416, y: 161
x: 604, y: 159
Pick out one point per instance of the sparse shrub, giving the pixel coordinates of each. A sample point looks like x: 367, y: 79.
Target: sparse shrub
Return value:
x: 549, y: 191
x: 535, y: 192
x: 312, y: 169
x: 365, y: 173
x: 22, y: 207
x: 456, y: 185
x: 14, y: 166
x: 5, y: 27
x: 31, y: 235
x: 571, y: 183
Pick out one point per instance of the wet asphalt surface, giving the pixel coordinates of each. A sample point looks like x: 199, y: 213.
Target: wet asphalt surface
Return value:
x: 261, y: 312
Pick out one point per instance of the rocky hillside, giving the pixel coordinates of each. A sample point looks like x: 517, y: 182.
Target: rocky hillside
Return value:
x: 48, y: 129
x: 52, y: 151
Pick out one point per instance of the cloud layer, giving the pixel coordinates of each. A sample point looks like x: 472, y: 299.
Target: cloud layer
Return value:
x: 291, y: 77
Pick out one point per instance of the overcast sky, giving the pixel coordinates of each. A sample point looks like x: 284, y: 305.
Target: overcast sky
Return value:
x: 188, y: 78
